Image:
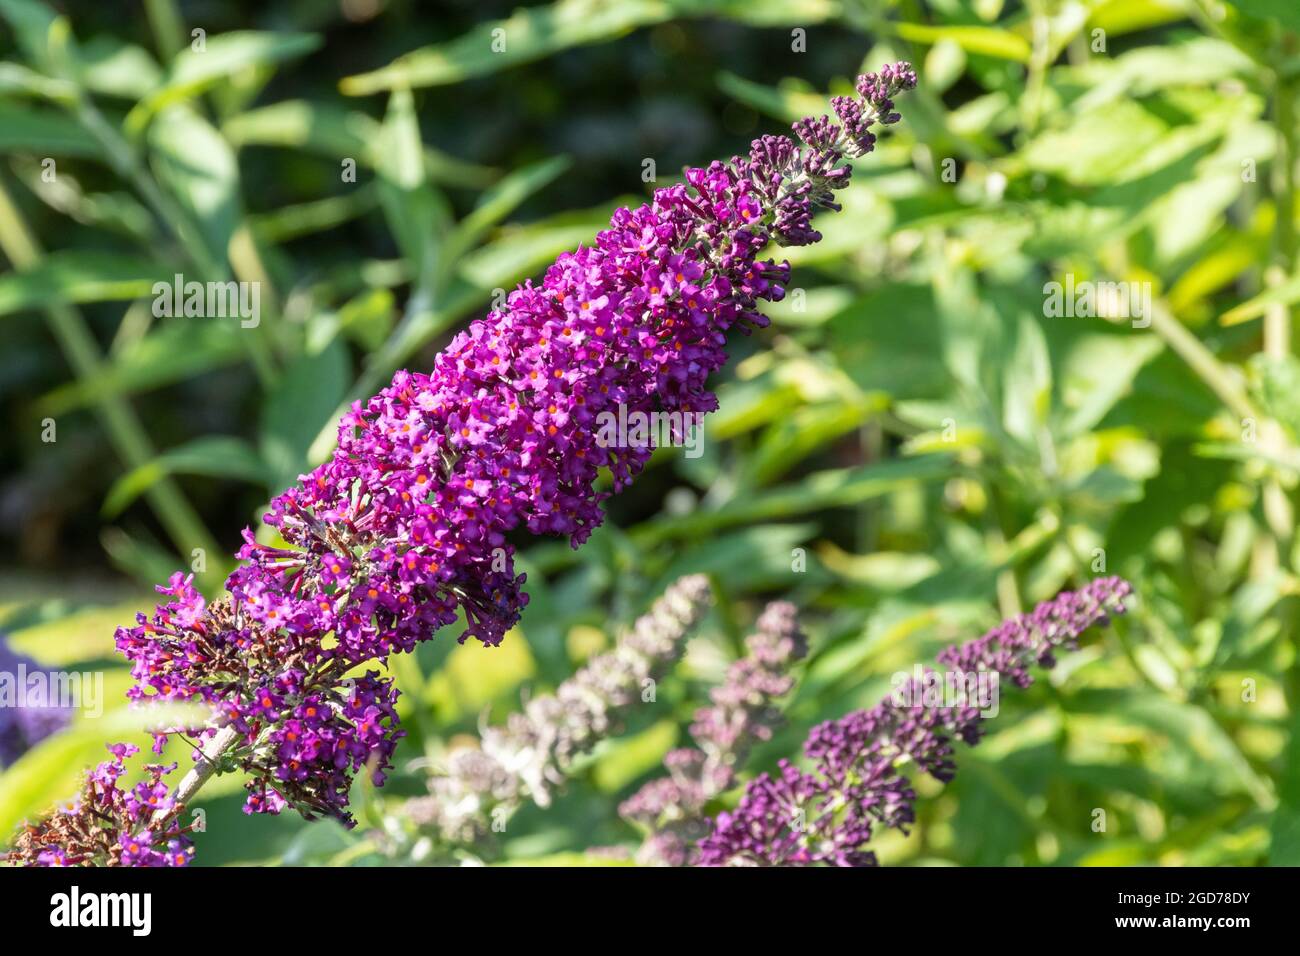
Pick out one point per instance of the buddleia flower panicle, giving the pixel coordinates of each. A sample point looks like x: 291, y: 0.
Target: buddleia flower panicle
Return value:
x: 404, y: 529
x: 743, y: 713
x: 533, y: 753
x: 828, y: 815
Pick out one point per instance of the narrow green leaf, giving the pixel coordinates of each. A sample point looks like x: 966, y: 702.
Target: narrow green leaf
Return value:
x: 989, y: 41
x: 44, y: 132
x: 199, y: 169
x: 79, y: 276
x: 175, y: 350
x: 528, y: 34
x: 222, y: 56
x: 339, y: 134
x: 214, y: 456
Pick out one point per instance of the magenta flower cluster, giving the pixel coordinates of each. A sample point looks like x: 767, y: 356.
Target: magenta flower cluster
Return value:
x: 304, y: 727
x: 405, y: 528
x: 828, y: 815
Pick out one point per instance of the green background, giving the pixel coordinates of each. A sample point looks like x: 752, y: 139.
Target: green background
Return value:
x: 943, y: 450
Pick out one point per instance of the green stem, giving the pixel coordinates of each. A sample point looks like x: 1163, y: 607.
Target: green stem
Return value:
x: 1277, y: 321
x: 168, y: 29
x: 1201, y: 361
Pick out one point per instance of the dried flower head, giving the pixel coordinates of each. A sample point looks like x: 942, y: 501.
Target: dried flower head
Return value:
x: 534, y: 752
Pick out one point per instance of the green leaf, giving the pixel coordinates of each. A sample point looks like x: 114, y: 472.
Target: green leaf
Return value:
x: 1195, y: 734
x: 1288, y: 293
x: 17, y: 79
x: 1283, y: 12
x: 757, y: 557
x: 520, y: 250
x: 785, y: 103
x: 214, y: 456
x: 1118, y: 17
x: 33, y: 24
x: 1027, y: 382
x: 501, y: 200
x: 826, y: 489
x: 417, y: 214
x: 338, y: 134
x: 112, y: 68
x: 623, y: 760
x: 141, y: 558
x: 536, y: 32
x: 368, y: 318
x: 223, y: 56
x: 174, y: 351
x: 892, y: 341
x: 1102, y: 146
x: 528, y: 34
x: 545, y: 625
x: 44, y: 132
x: 199, y: 169
x: 1277, y: 388
x: 989, y: 41
x: 1095, y: 373
x: 79, y: 277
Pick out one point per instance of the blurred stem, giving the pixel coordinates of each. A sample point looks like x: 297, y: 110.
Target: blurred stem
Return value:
x: 1201, y: 361
x: 1277, y: 321
x: 168, y: 29
x: 1009, y: 603
x: 125, y: 432
x: 1039, y: 61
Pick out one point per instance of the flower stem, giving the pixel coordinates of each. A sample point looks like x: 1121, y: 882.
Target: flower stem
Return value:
x: 204, y: 768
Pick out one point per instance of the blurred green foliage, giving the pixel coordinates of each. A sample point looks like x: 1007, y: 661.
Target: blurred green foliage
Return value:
x: 918, y: 424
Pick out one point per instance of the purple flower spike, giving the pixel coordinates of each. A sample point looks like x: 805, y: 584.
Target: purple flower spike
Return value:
x: 744, y: 713
x: 406, y: 527
x: 827, y: 816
